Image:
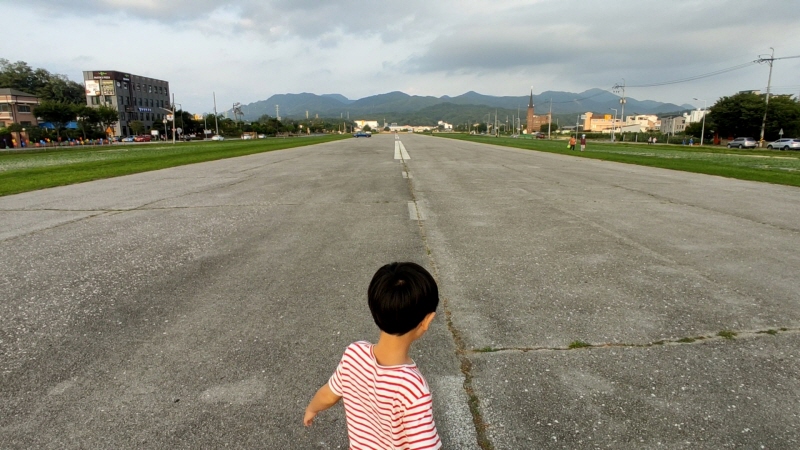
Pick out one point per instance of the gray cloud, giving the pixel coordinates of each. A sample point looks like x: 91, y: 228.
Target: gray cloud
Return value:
x: 249, y: 48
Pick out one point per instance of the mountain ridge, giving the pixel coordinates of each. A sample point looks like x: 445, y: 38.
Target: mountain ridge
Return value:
x: 392, y: 106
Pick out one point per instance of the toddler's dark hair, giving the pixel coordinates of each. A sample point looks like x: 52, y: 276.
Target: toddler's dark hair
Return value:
x: 400, y: 295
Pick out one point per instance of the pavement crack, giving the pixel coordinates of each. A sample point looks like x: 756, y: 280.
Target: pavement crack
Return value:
x: 481, y: 427
x: 722, y: 335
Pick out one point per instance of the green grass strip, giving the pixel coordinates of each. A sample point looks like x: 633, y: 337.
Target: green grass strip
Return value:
x: 769, y: 166
x: 40, y: 169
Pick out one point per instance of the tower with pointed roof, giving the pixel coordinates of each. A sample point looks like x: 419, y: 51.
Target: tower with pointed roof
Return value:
x: 529, y: 126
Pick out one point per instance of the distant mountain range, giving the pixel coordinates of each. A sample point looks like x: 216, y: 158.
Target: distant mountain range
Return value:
x: 426, y: 110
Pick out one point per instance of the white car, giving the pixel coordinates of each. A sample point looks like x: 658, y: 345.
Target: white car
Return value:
x: 785, y: 144
x: 217, y: 137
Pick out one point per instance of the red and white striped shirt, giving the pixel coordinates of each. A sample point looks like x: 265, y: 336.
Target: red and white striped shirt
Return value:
x: 387, y: 407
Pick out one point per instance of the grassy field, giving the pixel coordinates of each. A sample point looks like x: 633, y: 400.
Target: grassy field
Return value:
x: 770, y: 166
x: 39, y: 169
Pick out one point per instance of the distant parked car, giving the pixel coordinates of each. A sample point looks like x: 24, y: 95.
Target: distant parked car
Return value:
x: 262, y: 136
x: 217, y: 137
x: 785, y: 144
x: 142, y: 138
x: 540, y: 135
x: 128, y: 139
x: 743, y: 142
x: 361, y: 134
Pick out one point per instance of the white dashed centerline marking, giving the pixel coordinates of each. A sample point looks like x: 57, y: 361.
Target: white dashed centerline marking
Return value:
x: 414, y: 213
x: 400, y: 151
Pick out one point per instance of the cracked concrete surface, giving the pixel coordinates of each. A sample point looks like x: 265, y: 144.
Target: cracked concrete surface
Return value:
x: 201, y: 306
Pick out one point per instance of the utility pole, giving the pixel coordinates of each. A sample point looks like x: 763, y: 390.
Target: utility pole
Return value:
x: 550, y: 118
x: 769, y: 83
x: 622, y: 102
x: 173, y: 117
x: 216, y: 122
x: 278, y: 112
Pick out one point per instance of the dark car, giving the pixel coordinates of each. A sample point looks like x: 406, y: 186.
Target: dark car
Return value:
x: 361, y: 134
x: 743, y: 142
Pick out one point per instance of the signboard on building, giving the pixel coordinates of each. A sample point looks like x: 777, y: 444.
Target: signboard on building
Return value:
x: 92, y: 88
x: 107, y: 87
x: 101, y: 75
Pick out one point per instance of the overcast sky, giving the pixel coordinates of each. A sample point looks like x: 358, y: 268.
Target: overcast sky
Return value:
x: 247, y: 50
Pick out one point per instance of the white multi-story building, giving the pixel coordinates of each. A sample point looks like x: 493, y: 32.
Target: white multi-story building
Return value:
x: 445, y: 126
x: 694, y: 116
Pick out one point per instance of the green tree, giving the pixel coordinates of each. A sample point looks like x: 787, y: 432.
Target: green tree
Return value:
x: 57, y: 113
x: 88, y: 118
x: 742, y: 115
x: 40, y: 82
x: 137, y: 127
x: 552, y: 127
x: 107, y: 117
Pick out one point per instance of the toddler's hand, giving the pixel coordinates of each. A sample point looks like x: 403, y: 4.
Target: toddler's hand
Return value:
x: 308, y: 418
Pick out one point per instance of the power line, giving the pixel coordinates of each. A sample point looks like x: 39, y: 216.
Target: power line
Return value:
x: 696, y: 77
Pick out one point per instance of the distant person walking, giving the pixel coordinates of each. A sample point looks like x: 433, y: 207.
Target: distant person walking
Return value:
x: 572, y: 143
x: 583, y: 142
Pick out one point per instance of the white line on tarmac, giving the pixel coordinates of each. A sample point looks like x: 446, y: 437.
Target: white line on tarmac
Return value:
x: 414, y: 213
x: 400, y: 151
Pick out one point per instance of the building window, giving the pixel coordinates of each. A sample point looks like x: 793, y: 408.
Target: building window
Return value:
x: 24, y: 109
x: 25, y: 123
x: 95, y: 100
x: 5, y: 107
x: 2, y: 124
x: 150, y: 89
x: 125, y: 86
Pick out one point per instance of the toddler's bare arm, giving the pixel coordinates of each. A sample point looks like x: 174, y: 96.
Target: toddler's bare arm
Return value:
x: 323, y: 399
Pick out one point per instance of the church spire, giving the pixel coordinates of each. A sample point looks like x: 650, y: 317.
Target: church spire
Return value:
x: 530, y: 103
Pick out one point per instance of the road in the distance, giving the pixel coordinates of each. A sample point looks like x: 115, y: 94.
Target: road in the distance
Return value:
x: 201, y: 306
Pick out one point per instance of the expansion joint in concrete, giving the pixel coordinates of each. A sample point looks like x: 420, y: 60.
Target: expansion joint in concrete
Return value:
x: 462, y: 353
x: 723, y: 335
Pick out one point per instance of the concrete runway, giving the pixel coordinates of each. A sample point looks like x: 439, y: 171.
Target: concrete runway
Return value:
x: 202, y: 306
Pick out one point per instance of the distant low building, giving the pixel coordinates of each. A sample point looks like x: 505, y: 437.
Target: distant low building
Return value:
x: 643, y: 122
x: 445, y: 126
x: 592, y: 124
x: 372, y: 124
x: 16, y: 107
x: 673, y: 125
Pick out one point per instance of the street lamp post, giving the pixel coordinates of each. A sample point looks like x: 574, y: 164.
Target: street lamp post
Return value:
x: 703, y: 132
x: 613, y: 122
